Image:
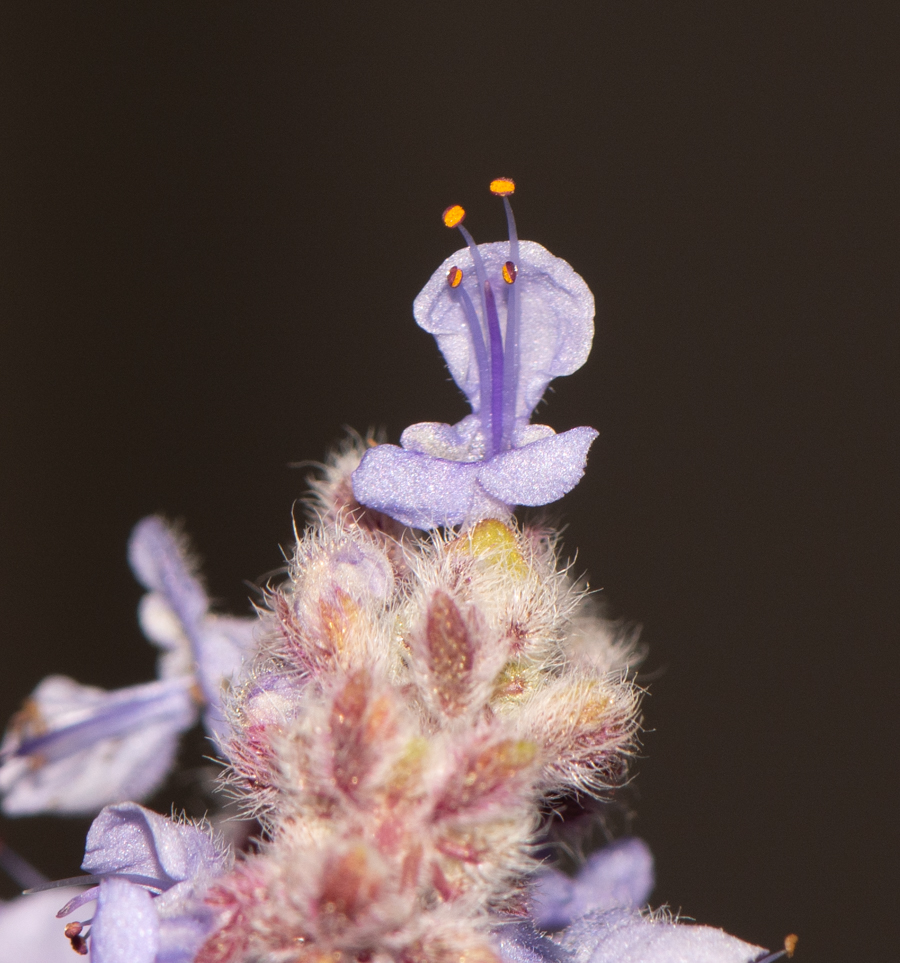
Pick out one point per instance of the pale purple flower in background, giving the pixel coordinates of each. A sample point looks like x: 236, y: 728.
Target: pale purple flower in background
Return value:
x: 599, y: 915
x: 147, y: 875
x: 75, y: 748
x: 30, y: 931
x: 619, y: 875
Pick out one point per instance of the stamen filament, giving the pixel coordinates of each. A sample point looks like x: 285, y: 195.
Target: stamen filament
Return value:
x: 481, y: 357
x: 511, y: 360
x: 790, y: 944
x: 494, y: 439
x: 497, y: 426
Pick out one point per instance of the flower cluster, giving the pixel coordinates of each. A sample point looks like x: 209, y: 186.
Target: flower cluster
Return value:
x: 414, y: 700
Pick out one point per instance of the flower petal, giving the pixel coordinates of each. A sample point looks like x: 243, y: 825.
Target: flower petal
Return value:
x: 75, y: 748
x: 128, y: 839
x: 414, y: 488
x: 620, y: 875
x: 175, y: 615
x: 125, y: 927
x: 521, y: 943
x: 30, y: 931
x: 539, y: 473
x: 556, y: 324
x: 160, y: 563
x: 460, y: 442
x: 623, y: 937
x: 180, y: 937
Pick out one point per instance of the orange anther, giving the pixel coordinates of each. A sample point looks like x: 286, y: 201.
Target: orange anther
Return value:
x: 454, y: 277
x: 509, y: 272
x: 790, y: 944
x: 453, y: 215
x: 503, y: 186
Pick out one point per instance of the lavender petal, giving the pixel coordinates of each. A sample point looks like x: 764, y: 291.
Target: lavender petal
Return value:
x: 621, y: 936
x: 126, y: 926
x: 538, y: 473
x: 556, y: 323
x: 82, y: 747
x: 416, y: 489
x: 129, y: 839
x: 620, y: 875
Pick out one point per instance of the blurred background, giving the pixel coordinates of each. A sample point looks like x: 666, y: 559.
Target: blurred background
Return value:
x: 215, y: 217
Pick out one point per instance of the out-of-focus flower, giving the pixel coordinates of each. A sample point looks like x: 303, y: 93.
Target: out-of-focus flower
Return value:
x: 626, y: 936
x: 74, y: 748
x: 599, y: 916
x: 508, y: 318
x: 620, y: 875
x: 150, y: 874
x: 30, y: 931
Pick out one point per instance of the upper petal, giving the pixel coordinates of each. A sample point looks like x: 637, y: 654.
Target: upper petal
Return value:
x: 538, y: 473
x: 161, y: 563
x: 128, y: 839
x: 175, y: 615
x: 556, y: 321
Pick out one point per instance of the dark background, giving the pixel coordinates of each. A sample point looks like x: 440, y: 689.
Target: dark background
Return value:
x: 215, y: 217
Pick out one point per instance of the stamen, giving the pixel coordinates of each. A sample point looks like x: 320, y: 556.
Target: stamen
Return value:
x: 454, y: 279
x: 60, y: 883
x: 509, y: 272
x: 493, y: 433
x: 790, y: 944
x: 78, y: 939
x: 503, y: 187
x: 453, y: 216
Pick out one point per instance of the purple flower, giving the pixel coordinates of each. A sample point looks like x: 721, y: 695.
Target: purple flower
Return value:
x: 74, y: 748
x: 508, y: 318
x: 600, y: 909
x: 620, y: 875
x: 30, y: 931
x: 623, y: 936
x: 151, y: 874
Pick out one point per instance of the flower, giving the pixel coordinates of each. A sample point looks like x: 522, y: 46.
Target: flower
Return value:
x: 619, y: 875
x: 600, y: 918
x: 508, y: 318
x: 627, y: 936
x: 74, y: 748
x: 150, y: 874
